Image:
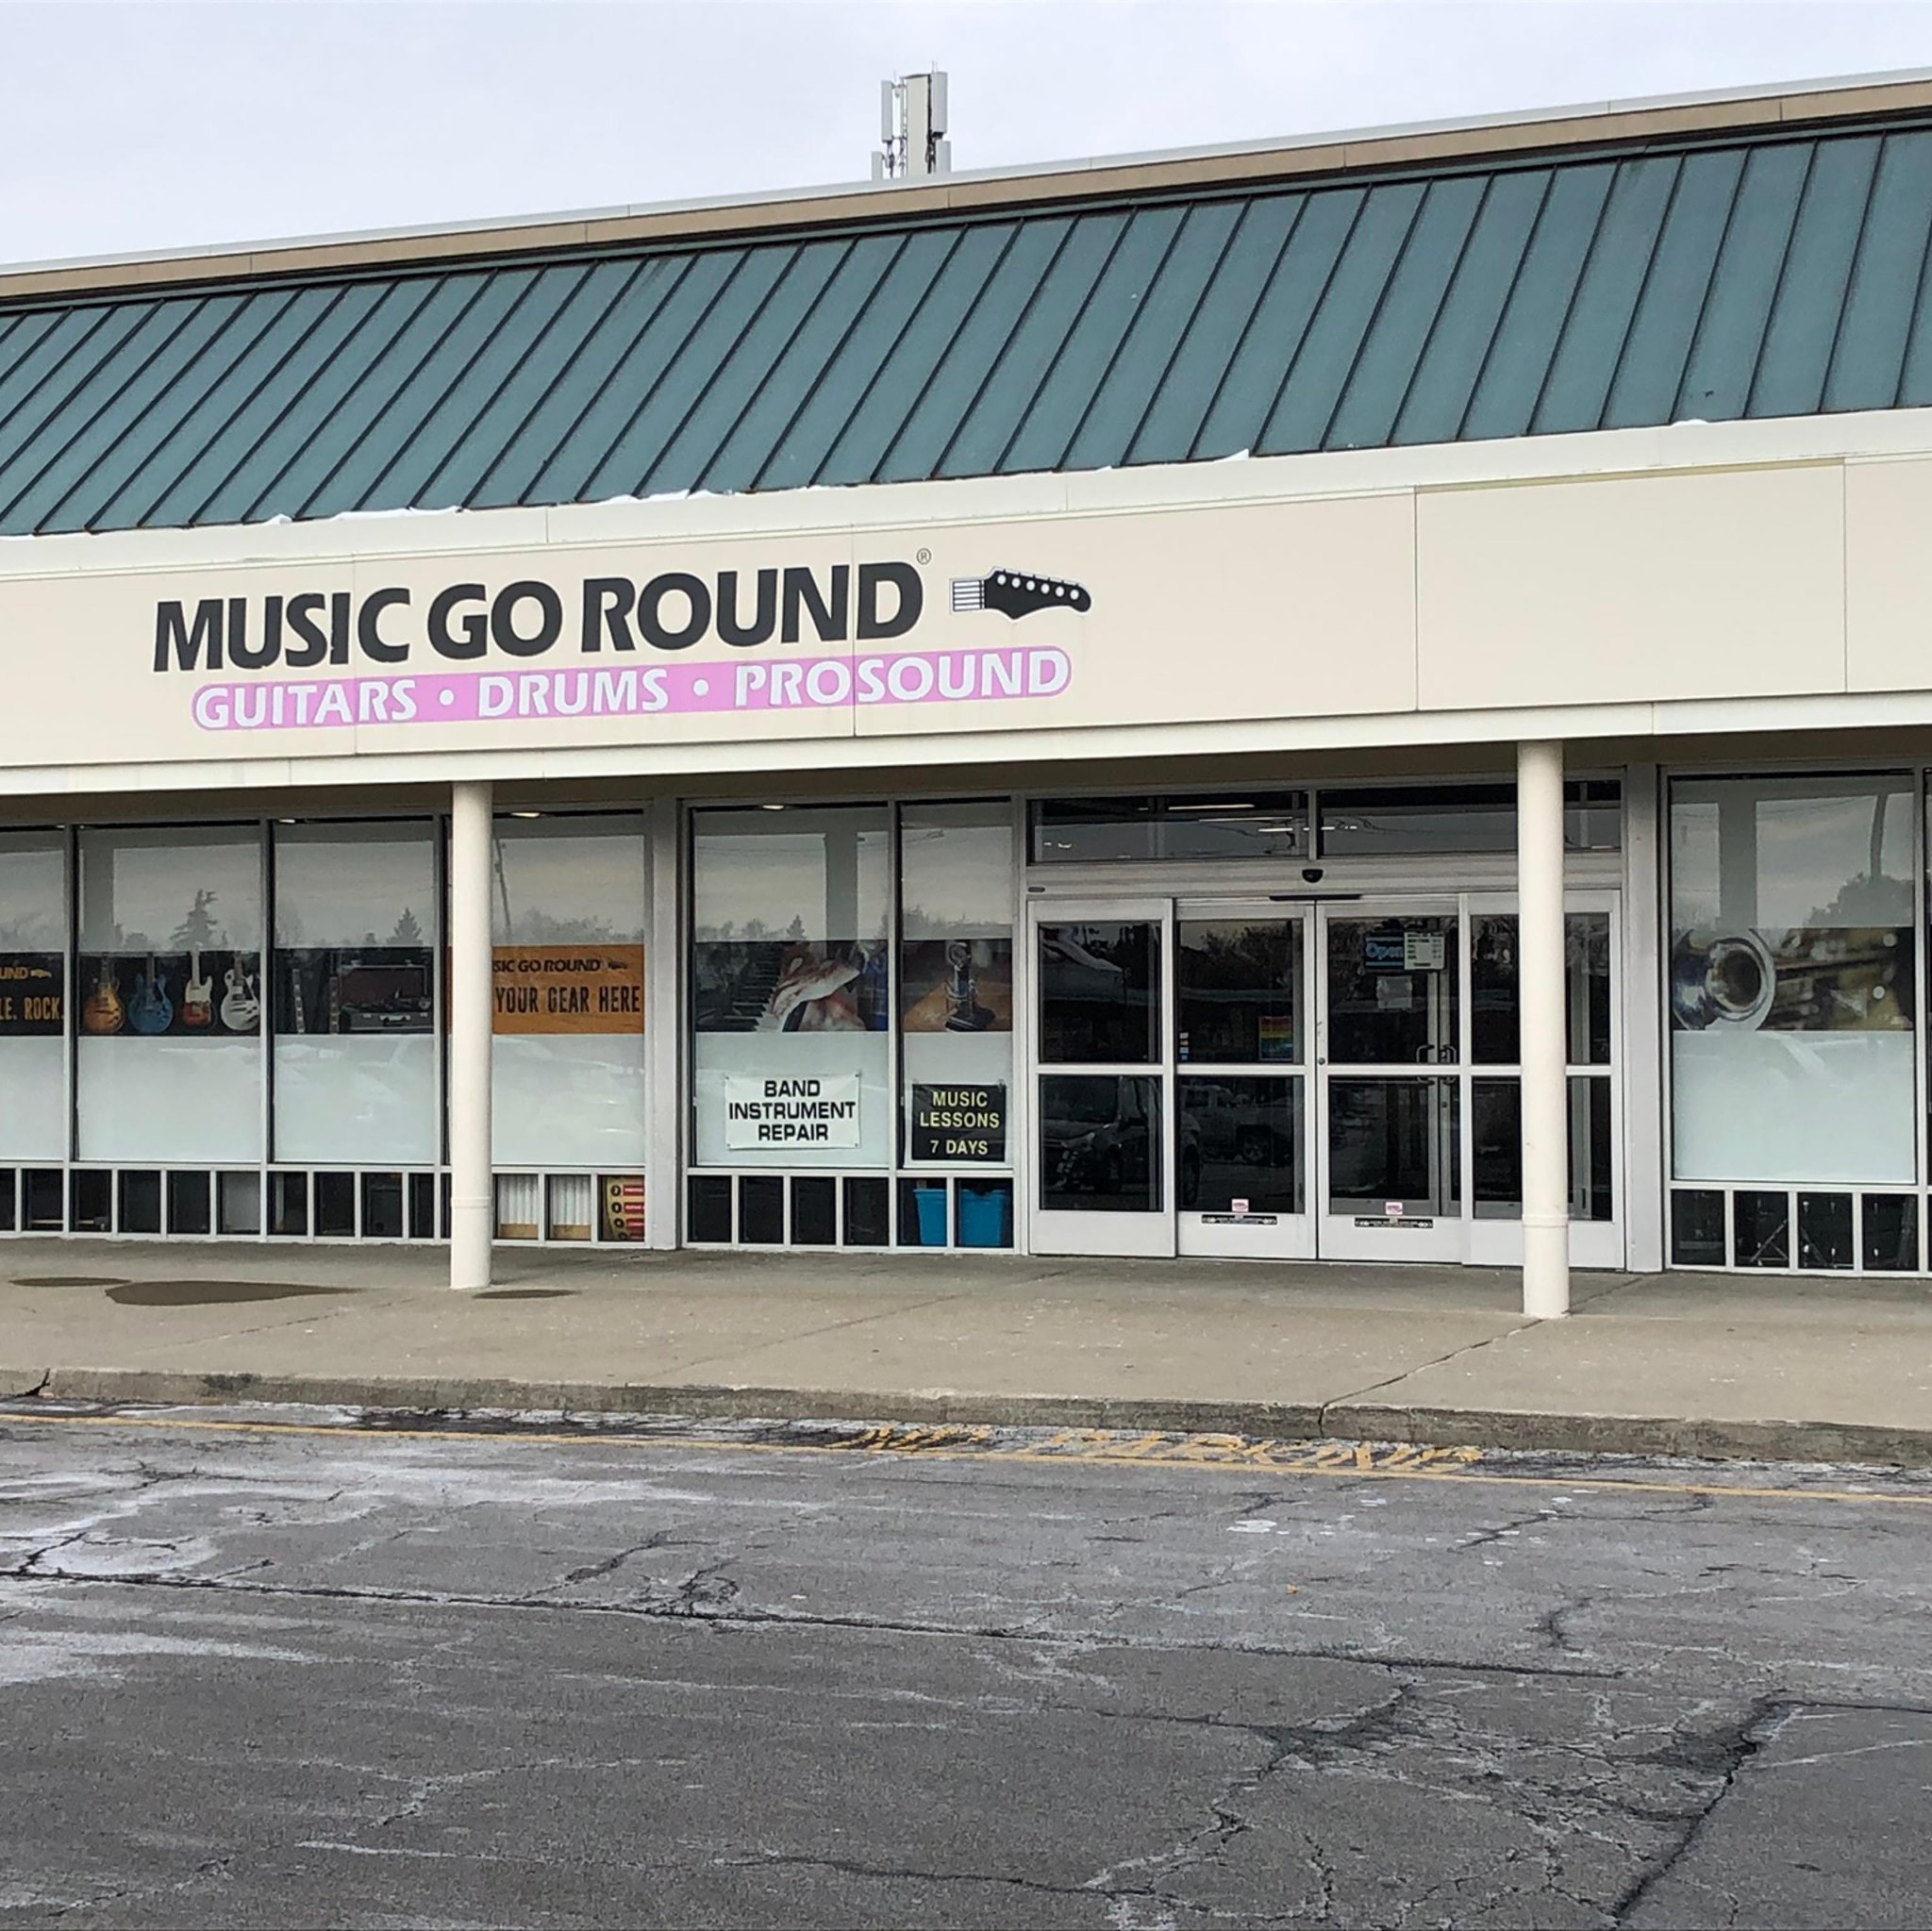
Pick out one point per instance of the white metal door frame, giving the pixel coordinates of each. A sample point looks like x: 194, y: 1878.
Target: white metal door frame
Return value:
x: 1147, y: 1234
x: 1498, y: 1242
x: 1372, y: 1235
x: 1208, y: 1231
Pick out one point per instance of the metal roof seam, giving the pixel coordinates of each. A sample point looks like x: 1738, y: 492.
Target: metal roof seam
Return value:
x: 1026, y: 321
x: 1576, y: 285
x: 1263, y: 283
x: 135, y: 318
x: 342, y: 355
x: 618, y: 363
x: 1850, y: 274
x: 1002, y: 463
x: 1902, y: 385
x: 1499, y: 327
x: 576, y: 276
x: 1184, y: 334
x: 1421, y: 359
x: 394, y: 380
x: 701, y: 471
x: 1652, y: 291
x: 1777, y: 285
x: 830, y: 448
x: 51, y: 426
x: 650, y: 480
x: 809, y: 392
x: 623, y: 284
x: 1348, y: 394
x: 1020, y: 229
x: 411, y: 415
x: 1145, y: 300
x: 340, y: 303
x: 1265, y: 440
x: 324, y: 309
x: 1710, y: 285
x: 1312, y: 311
x: 674, y: 351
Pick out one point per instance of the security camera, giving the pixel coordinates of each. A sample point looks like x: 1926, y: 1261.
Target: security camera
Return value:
x: 1311, y: 875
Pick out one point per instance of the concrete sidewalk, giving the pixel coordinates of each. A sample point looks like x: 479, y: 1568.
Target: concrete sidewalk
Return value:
x: 1813, y: 1368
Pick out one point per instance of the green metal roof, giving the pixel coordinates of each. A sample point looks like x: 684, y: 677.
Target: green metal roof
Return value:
x: 1757, y: 276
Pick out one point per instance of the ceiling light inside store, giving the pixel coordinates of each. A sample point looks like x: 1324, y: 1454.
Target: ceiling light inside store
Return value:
x: 1193, y: 805
x: 526, y: 814
x: 771, y: 807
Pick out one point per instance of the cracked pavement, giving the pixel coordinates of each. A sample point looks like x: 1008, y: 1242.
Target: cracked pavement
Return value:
x: 270, y: 1679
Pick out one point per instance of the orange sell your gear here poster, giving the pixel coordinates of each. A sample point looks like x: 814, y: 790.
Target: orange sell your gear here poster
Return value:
x: 569, y: 989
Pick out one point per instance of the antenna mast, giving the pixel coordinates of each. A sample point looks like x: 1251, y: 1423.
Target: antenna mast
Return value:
x: 912, y: 128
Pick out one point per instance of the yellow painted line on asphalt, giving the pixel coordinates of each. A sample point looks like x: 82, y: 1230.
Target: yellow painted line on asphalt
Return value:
x: 1088, y: 1447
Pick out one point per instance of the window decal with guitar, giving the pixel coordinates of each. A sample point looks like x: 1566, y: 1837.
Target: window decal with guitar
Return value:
x: 1014, y: 593
x: 168, y: 994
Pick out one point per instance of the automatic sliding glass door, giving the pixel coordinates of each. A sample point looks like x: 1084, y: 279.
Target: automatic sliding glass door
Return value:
x: 1388, y: 1051
x: 1240, y: 1043
x: 1104, y: 1173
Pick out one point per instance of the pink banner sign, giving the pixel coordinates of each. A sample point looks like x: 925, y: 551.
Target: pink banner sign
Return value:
x: 826, y: 683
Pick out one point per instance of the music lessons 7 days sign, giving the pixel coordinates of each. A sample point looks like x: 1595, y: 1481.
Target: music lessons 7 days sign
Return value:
x: 959, y: 1123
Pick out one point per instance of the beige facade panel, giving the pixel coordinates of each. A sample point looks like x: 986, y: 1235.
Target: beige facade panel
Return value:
x: 780, y: 633
x: 1889, y: 575
x: 1253, y: 611
x: 1653, y: 589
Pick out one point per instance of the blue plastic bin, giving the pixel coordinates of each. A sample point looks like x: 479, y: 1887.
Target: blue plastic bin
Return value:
x: 983, y: 1212
x: 932, y: 1215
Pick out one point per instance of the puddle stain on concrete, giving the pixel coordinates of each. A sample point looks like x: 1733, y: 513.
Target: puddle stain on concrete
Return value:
x: 214, y: 1293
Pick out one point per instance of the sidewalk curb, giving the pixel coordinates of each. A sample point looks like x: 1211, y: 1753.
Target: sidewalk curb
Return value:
x: 1642, y: 1434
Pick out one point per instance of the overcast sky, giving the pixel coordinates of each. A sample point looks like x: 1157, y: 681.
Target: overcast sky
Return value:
x: 164, y: 124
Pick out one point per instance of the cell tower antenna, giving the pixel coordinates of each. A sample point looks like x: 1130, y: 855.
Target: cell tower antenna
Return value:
x: 912, y: 128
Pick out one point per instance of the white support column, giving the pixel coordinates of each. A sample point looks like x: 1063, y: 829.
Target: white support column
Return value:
x: 473, y: 1185
x: 1540, y: 995
x: 664, y: 1081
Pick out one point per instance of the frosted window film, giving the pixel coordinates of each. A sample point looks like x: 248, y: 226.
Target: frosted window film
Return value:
x: 175, y: 1099
x: 357, y: 1099
x: 1803, y: 1108
x: 565, y: 1100
x: 33, y: 1120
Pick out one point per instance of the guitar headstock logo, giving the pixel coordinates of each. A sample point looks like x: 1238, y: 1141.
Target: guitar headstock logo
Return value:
x: 1015, y: 594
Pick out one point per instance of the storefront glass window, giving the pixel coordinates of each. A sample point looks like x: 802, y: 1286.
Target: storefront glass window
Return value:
x: 955, y: 981
x: 1220, y: 824
x: 170, y: 970
x: 790, y: 987
x: 1792, y: 984
x: 1494, y: 1021
x: 355, y: 994
x: 1413, y: 821
x: 33, y: 996
x: 568, y: 925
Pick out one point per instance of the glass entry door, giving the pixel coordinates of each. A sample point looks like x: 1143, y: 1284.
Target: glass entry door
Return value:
x: 1241, y: 1048
x: 1104, y: 1171
x: 1280, y: 1081
x: 1389, y: 1052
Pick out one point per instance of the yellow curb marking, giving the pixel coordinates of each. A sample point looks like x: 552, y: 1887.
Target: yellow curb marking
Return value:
x: 1088, y: 1447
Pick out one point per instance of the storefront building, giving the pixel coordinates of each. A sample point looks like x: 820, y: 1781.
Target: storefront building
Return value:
x: 1365, y: 701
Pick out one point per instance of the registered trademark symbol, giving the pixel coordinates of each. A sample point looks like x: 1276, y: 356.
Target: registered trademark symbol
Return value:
x: 922, y: 556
